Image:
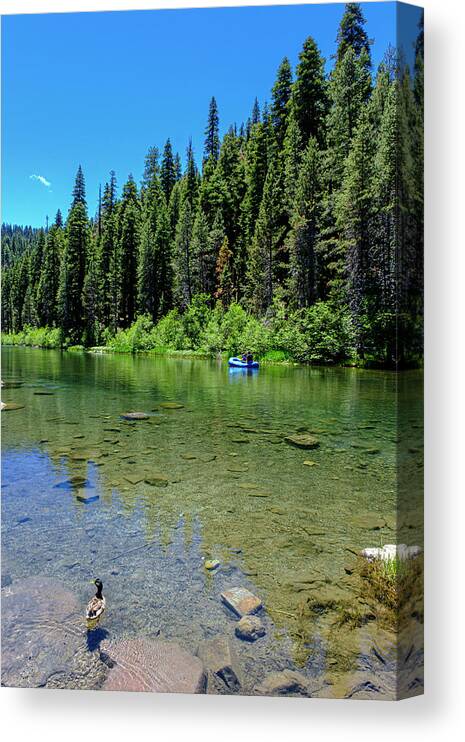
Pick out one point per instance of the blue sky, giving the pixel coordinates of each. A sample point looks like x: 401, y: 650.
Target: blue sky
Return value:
x: 100, y: 88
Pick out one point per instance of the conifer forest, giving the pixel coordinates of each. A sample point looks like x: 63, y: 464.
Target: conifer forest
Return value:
x: 298, y: 235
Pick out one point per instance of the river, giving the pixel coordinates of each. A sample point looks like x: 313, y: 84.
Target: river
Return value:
x: 284, y: 522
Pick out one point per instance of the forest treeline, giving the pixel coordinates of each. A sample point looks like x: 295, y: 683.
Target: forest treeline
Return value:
x: 300, y: 233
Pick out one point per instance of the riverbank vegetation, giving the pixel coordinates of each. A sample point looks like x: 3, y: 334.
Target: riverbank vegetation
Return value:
x: 299, y: 235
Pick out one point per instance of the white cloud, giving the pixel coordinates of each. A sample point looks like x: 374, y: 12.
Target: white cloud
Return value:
x: 41, y: 179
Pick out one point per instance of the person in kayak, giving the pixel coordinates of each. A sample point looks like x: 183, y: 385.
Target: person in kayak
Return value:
x: 244, y: 358
x: 249, y: 357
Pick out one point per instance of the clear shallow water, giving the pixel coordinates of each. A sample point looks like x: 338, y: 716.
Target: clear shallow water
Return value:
x: 236, y: 492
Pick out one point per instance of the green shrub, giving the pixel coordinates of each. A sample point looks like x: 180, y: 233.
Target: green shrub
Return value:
x: 42, y: 337
x: 328, y: 334
x: 169, y: 332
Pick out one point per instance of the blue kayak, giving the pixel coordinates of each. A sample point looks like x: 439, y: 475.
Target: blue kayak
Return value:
x: 239, y: 363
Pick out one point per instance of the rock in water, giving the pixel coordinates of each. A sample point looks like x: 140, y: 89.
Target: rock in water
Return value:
x: 12, y: 406
x: 250, y: 628
x: 135, y: 416
x: 157, y: 480
x: 211, y: 564
x: 153, y: 666
x: 241, y: 601
x: 283, y: 683
x: 219, y: 659
x: 302, y: 441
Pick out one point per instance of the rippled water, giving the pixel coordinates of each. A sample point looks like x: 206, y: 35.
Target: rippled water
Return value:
x: 236, y: 492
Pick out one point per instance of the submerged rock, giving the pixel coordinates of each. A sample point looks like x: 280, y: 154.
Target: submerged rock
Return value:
x: 237, y: 468
x: 220, y: 661
x: 302, y: 441
x: 241, y: 601
x: 157, y: 480
x: 6, y: 406
x: 369, y: 521
x: 154, y: 666
x: 287, y: 682
x: 134, y: 478
x: 135, y: 416
x: 211, y: 564
x: 250, y: 628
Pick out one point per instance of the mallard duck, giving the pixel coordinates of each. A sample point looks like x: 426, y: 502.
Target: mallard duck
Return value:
x: 95, y: 606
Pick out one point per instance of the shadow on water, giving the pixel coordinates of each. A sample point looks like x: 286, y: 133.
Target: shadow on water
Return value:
x: 95, y: 637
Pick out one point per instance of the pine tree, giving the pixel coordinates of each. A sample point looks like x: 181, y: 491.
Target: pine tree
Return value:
x: 73, y: 266
x: 178, y: 166
x: 47, y: 290
x: 264, y: 257
x: 352, y: 34
x: 191, y: 178
x: 151, y: 167
x: 355, y: 215
x: 79, y: 190
x: 256, y: 169
x: 90, y: 296
x: 154, y: 277
x: 59, y: 219
x: 168, y: 171
x: 203, y: 262
x: 129, y: 245
x: 305, y: 225
x: 309, y: 93
x: 108, y: 256
x: 212, y: 133
x: 292, y: 154
x: 256, y: 118
x: 350, y: 88
x: 183, y: 257
x: 224, y: 275
x: 281, y: 95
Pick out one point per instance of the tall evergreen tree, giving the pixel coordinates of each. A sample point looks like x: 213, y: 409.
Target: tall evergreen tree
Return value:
x: 355, y: 214
x: 183, y: 256
x: 212, y: 133
x: 224, y: 274
x: 108, y: 256
x: 168, y: 171
x: 305, y: 225
x: 309, y: 93
x: 191, y: 178
x: 256, y: 117
x: 47, y: 290
x: 91, y: 296
x: 79, y: 190
x: 73, y: 266
x: 352, y: 34
x: 281, y: 95
x: 129, y: 243
x: 264, y: 258
x: 59, y: 219
x: 203, y: 260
